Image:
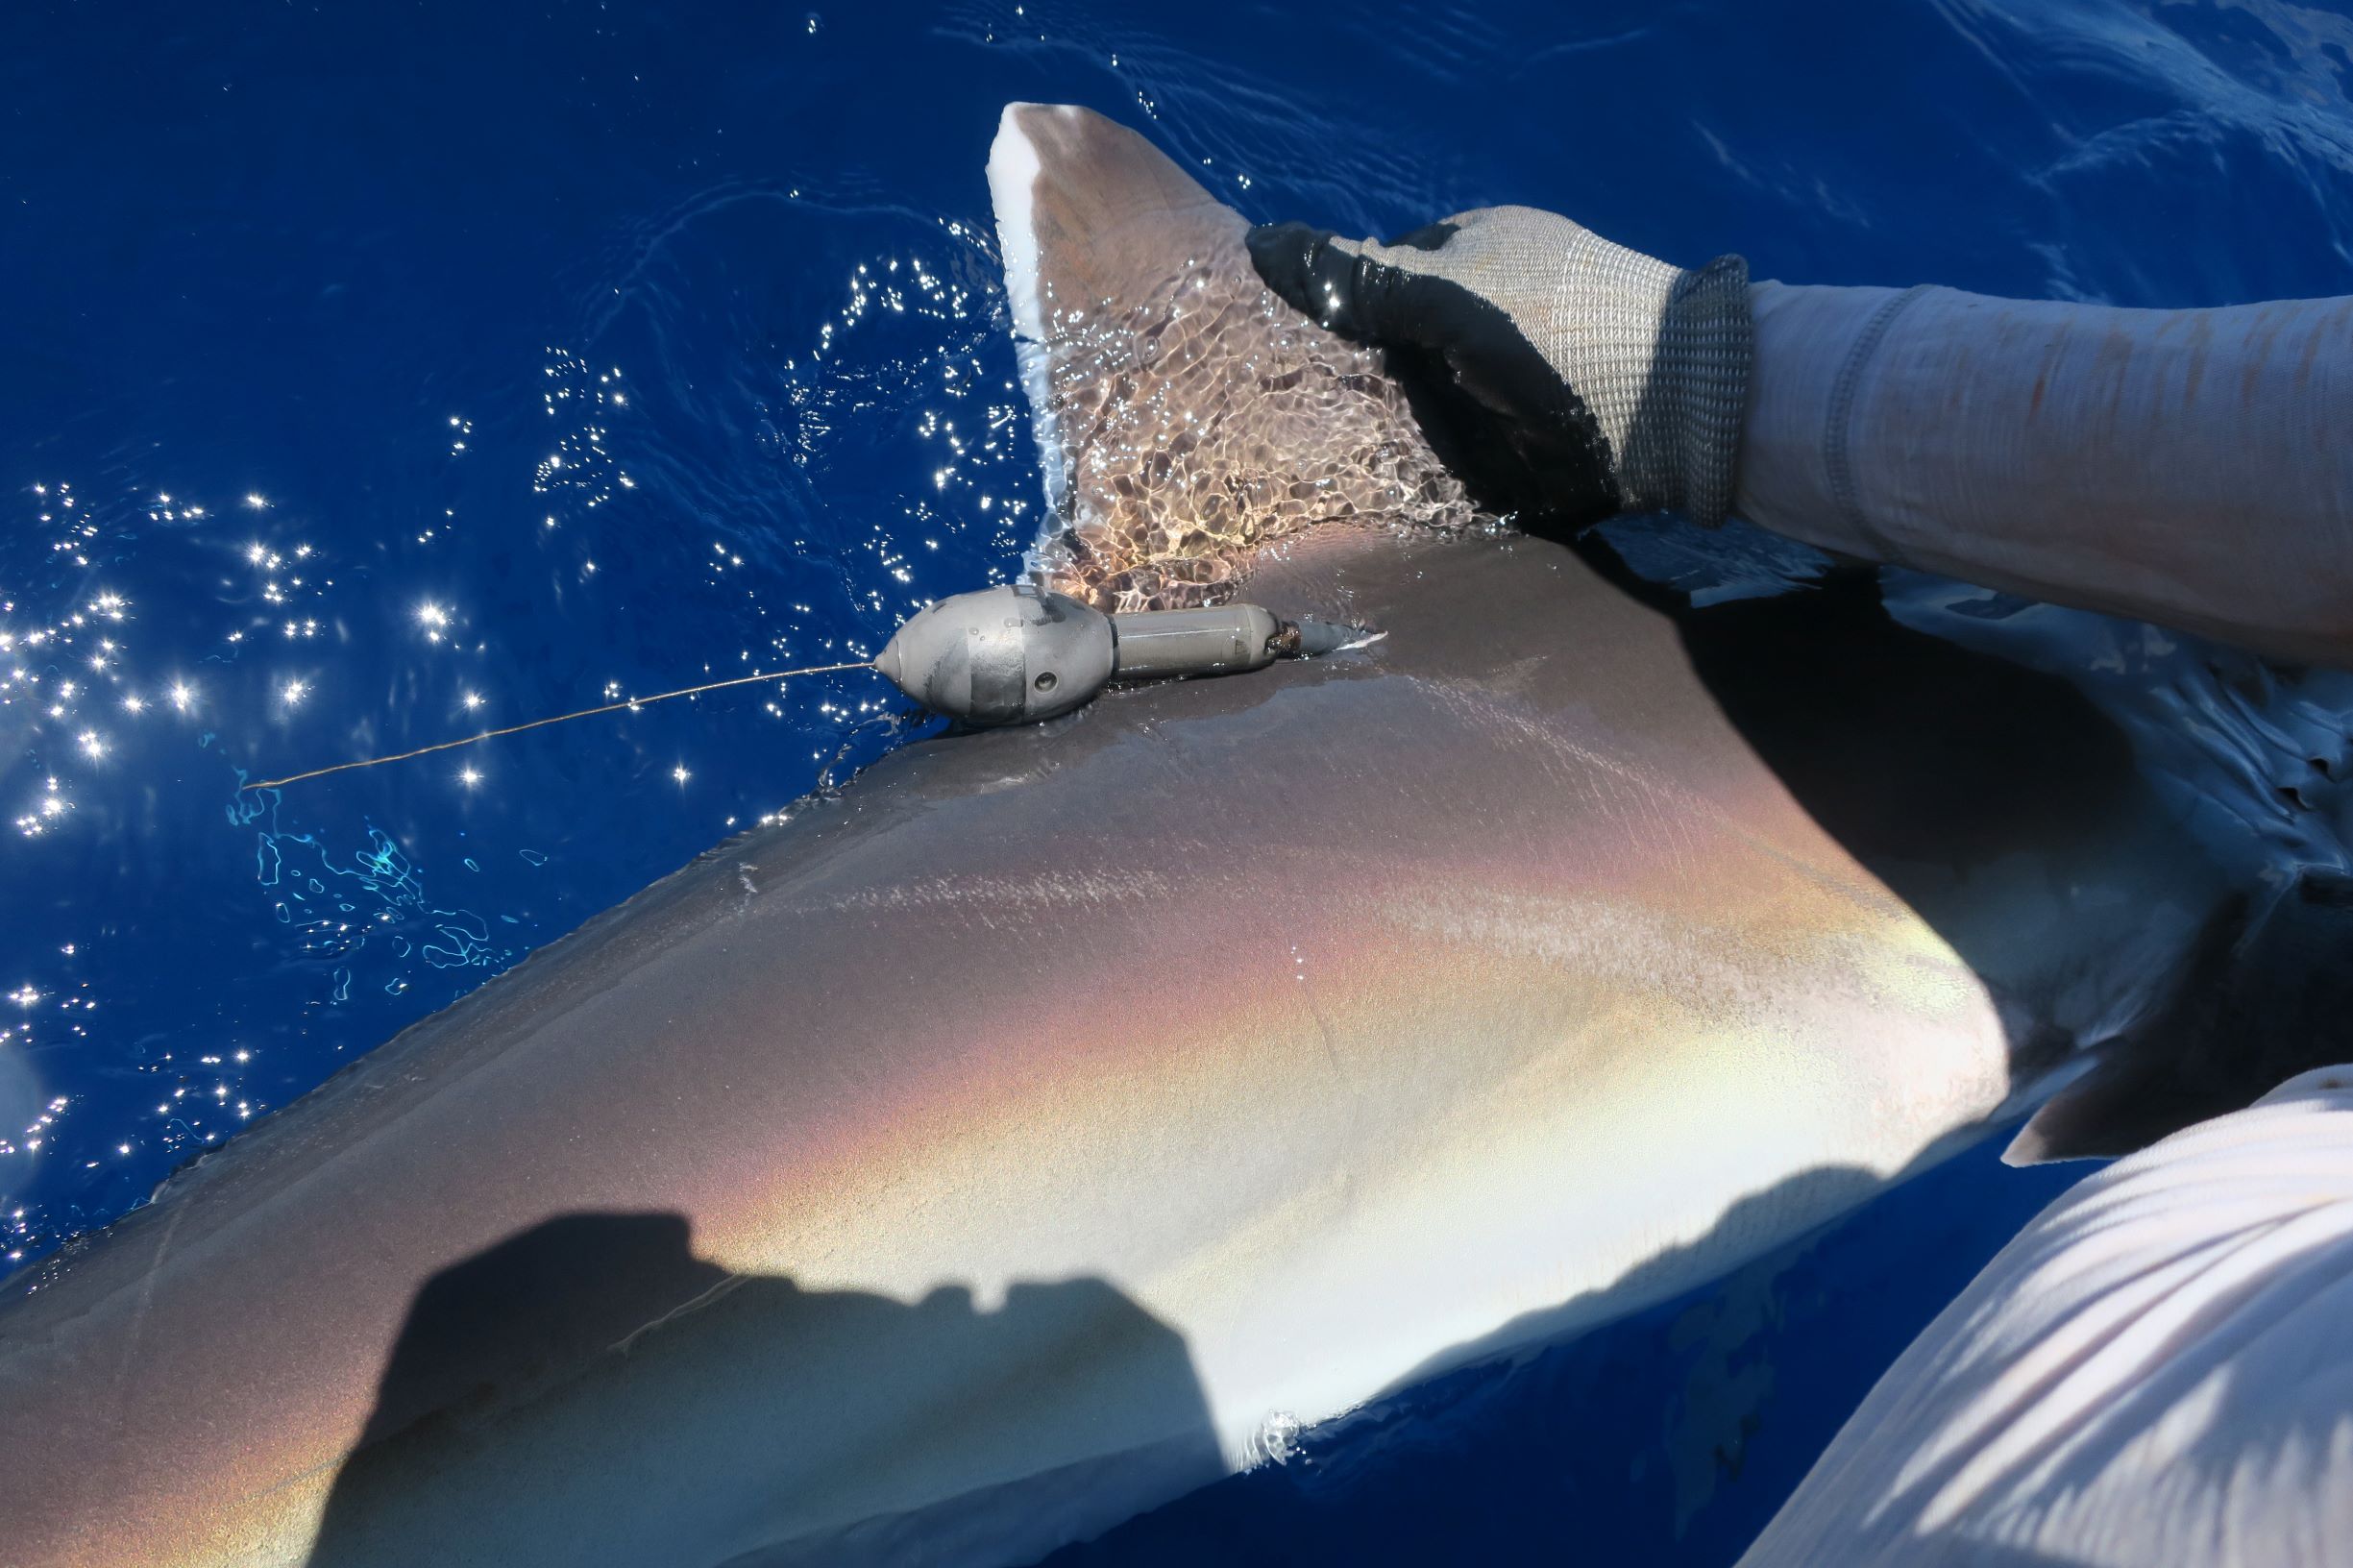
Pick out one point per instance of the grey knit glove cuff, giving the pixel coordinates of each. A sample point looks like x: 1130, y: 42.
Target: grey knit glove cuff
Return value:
x: 1616, y: 381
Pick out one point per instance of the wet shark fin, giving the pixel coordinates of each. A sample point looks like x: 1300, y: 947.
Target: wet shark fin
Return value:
x: 1185, y: 418
x: 2121, y: 1105
x: 1088, y: 213
x: 2264, y: 995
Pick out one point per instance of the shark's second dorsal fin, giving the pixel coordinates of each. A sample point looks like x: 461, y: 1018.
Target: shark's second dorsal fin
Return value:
x: 1186, y: 417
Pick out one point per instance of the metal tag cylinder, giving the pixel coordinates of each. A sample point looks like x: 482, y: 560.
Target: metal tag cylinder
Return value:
x: 1217, y: 641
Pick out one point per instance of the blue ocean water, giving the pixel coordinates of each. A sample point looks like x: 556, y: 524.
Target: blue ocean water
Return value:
x: 380, y: 373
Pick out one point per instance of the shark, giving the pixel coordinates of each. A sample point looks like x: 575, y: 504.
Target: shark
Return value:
x: 1056, y: 1118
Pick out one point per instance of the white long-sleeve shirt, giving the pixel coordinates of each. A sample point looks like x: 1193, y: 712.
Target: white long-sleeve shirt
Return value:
x: 2193, y: 467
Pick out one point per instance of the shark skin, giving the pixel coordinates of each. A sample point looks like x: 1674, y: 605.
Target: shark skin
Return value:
x: 1034, y: 1130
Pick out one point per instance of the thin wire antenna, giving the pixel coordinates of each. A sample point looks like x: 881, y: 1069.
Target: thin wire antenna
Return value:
x: 557, y: 719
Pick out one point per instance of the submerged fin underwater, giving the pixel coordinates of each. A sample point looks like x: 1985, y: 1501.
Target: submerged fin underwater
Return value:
x: 823, y: 788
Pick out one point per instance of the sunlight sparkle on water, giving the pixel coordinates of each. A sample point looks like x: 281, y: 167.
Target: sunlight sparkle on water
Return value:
x: 294, y: 692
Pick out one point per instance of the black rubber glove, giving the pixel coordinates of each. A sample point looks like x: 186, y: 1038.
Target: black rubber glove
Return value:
x: 1567, y: 373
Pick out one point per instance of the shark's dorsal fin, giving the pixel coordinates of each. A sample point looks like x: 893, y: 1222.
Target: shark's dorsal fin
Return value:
x: 1186, y: 417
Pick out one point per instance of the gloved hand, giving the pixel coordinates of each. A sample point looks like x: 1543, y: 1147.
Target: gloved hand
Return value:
x: 1580, y: 377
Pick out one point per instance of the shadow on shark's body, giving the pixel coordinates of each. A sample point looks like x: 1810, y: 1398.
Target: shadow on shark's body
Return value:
x: 662, y: 1370
x: 1352, y: 1017
x: 1997, y: 800
x: 1949, y: 767
x: 1987, y: 790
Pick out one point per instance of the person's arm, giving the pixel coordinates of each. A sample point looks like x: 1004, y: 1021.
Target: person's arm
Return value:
x: 2191, y: 467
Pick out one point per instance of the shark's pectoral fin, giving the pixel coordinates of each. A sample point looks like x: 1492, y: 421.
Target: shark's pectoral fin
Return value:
x: 2264, y: 995
x: 2123, y: 1104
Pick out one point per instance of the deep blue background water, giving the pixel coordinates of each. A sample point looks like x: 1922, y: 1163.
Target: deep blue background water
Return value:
x: 375, y: 373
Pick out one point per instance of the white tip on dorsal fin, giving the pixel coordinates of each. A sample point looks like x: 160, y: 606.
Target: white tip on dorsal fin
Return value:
x: 1089, y: 214
x: 1012, y: 177
x: 1185, y: 417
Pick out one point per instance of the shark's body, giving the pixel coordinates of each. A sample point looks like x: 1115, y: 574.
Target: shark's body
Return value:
x: 1033, y: 1132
